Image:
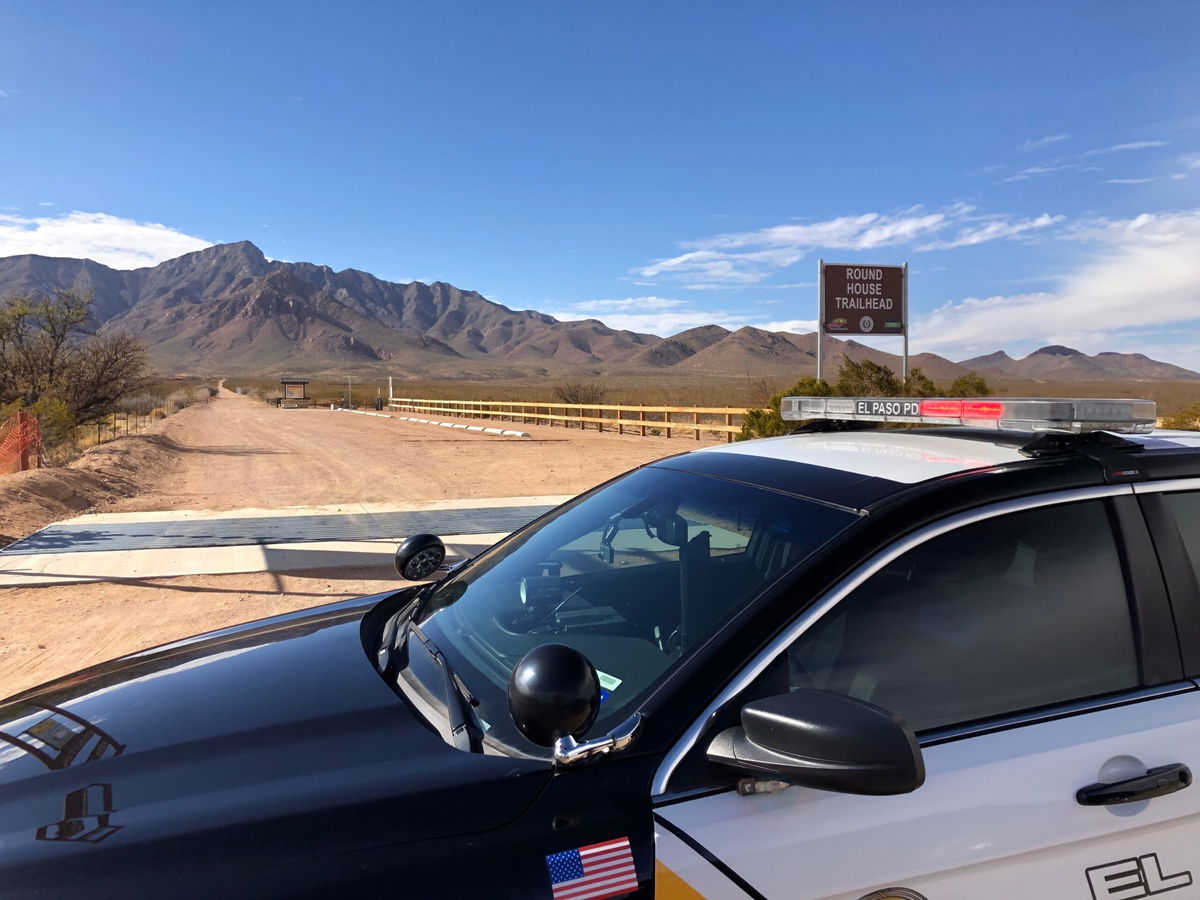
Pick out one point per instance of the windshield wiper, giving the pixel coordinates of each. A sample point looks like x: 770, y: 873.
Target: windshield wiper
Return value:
x: 455, y: 694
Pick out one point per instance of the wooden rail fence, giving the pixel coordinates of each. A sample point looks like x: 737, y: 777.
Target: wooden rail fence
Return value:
x: 643, y: 420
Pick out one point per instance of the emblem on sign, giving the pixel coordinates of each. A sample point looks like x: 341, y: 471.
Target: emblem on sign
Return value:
x: 866, y: 323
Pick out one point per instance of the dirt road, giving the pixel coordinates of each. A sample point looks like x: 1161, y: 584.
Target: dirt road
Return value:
x: 235, y: 453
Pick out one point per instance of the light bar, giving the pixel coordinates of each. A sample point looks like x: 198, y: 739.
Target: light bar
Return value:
x: 1073, y: 416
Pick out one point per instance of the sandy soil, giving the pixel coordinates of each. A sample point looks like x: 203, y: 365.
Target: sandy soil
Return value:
x: 49, y: 631
x: 235, y: 453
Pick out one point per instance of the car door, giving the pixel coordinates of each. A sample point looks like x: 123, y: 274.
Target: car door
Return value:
x: 1030, y: 647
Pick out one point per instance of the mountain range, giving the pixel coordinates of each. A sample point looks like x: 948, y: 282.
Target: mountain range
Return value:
x: 228, y: 310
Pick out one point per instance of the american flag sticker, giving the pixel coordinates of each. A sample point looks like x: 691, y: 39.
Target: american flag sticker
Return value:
x: 593, y: 872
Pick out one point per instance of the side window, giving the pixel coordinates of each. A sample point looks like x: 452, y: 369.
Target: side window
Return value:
x: 1012, y: 613
x: 1185, y: 508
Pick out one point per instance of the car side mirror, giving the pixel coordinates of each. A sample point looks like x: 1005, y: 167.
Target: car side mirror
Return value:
x: 824, y: 740
x: 419, y: 556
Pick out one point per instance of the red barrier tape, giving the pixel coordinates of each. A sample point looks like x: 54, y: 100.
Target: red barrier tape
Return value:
x: 20, y: 443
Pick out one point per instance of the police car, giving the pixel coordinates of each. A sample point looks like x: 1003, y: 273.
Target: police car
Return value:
x: 853, y: 662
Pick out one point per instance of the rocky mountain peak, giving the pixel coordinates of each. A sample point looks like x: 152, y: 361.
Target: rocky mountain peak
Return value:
x: 1057, y: 350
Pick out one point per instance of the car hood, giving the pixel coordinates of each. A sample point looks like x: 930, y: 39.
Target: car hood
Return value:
x: 279, y: 734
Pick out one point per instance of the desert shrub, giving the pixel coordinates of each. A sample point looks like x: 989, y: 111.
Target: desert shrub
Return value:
x: 1187, y: 419
x: 970, y: 385
x: 581, y: 391
x: 177, y: 400
x: 918, y: 384
x: 866, y: 379
x: 138, y: 404
x: 767, y: 422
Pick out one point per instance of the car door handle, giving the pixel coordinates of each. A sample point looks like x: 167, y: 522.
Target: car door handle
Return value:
x: 1155, y: 783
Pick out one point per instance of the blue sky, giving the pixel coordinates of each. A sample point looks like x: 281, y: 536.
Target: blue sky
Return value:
x: 655, y: 165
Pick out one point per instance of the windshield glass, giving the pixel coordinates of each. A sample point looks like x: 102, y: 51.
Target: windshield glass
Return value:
x: 635, y: 575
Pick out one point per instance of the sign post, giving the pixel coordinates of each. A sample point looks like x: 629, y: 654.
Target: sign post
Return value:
x: 861, y: 299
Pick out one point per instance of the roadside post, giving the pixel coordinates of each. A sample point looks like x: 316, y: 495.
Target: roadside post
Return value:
x: 861, y: 299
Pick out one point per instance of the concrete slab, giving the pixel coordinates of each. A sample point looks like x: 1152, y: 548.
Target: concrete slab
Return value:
x: 65, y: 568
x: 86, y: 536
x: 77, y: 551
x: 178, y: 515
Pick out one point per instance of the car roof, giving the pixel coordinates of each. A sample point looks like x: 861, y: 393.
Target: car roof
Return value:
x: 858, y: 468
x: 907, y: 455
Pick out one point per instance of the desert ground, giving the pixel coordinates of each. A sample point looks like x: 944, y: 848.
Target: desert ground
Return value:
x: 236, y: 453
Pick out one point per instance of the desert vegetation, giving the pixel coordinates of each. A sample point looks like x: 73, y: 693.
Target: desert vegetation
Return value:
x: 1187, y: 419
x: 83, y: 386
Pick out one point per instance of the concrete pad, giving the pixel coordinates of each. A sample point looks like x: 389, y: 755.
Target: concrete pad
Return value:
x: 42, y: 569
x: 350, y: 508
x: 46, y: 568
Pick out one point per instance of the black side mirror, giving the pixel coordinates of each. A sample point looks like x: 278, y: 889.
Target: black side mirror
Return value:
x: 823, y: 740
x: 420, y: 556
x: 553, y: 692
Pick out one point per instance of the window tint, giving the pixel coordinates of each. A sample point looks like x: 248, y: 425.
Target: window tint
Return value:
x: 1186, y: 510
x: 1009, y: 614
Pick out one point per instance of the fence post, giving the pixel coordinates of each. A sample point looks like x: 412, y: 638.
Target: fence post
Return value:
x: 696, y: 422
x: 667, y: 421
x: 728, y: 423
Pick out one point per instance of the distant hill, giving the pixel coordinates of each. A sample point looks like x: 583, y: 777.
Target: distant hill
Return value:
x: 227, y: 309
x: 1065, y: 364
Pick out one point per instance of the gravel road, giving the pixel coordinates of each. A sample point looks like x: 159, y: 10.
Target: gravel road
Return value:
x: 237, y: 452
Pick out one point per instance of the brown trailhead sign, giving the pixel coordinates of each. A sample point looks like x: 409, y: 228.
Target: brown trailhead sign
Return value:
x: 862, y: 299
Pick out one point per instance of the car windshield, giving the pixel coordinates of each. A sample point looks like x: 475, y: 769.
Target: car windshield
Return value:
x: 636, y: 575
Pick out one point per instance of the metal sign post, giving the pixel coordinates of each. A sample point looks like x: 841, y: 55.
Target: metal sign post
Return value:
x: 820, y: 319
x: 904, y: 319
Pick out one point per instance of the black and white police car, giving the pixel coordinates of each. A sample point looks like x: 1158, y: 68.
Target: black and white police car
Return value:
x: 853, y: 662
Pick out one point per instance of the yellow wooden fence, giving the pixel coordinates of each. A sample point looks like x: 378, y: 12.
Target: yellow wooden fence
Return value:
x: 643, y: 420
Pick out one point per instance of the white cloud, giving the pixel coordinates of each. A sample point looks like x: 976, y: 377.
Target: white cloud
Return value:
x: 47, y: 203
x: 1122, y: 148
x: 1127, y: 180
x: 656, y: 315
x: 5, y: 94
x: 1140, y: 275
x: 629, y: 303
x: 751, y: 256
x: 996, y: 229
x: 744, y: 259
x: 1049, y: 168
x: 1042, y: 142
x: 796, y: 326
x: 111, y: 240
